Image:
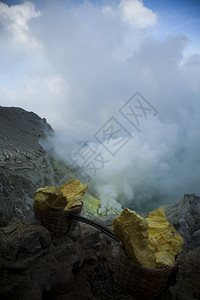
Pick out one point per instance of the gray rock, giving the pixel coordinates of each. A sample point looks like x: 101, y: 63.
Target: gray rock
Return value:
x: 89, y: 243
x: 185, y: 217
x: 45, y: 238
x: 42, y: 277
x: 89, y: 240
x: 29, y: 244
x: 28, y: 290
x: 24, y: 245
x: 64, y: 253
x: 9, y: 229
x: 30, y: 221
x: 24, y: 164
x: 62, y: 281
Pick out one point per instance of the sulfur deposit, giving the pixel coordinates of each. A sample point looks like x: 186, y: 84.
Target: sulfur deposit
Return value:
x: 151, y: 242
x: 131, y: 230
x: 49, y: 198
x: 64, y: 198
x: 166, y: 241
x: 73, y: 191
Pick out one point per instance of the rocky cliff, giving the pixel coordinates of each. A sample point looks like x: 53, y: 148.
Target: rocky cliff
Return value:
x: 24, y: 164
x: 80, y: 264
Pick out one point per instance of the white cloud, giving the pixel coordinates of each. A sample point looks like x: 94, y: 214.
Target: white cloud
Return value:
x: 137, y: 15
x: 14, y: 21
x: 86, y: 63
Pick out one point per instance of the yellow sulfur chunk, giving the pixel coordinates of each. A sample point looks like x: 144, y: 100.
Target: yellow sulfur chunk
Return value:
x: 73, y: 191
x: 151, y: 242
x: 75, y: 201
x: 163, y: 259
x: 131, y: 230
x: 167, y: 238
x: 49, y: 198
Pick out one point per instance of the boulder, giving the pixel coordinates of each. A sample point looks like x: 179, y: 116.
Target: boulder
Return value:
x: 185, y: 217
x: 25, y: 165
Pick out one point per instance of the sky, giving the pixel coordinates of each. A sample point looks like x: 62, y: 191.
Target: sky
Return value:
x: 89, y: 67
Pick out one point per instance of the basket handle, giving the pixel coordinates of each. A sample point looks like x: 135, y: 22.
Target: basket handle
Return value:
x: 96, y: 224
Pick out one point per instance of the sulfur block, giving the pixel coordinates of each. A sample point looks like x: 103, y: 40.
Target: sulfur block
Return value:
x: 73, y: 191
x: 49, y: 198
x: 163, y: 237
x: 151, y: 242
x: 131, y: 230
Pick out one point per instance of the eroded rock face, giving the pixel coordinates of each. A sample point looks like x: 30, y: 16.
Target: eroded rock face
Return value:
x: 24, y: 165
x: 78, y: 265
x: 185, y: 217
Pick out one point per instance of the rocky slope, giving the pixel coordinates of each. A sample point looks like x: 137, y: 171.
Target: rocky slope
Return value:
x: 78, y: 265
x: 81, y: 263
x: 24, y: 164
x: 185, y: 217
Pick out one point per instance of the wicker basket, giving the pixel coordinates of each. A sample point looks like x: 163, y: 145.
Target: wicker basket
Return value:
x: 141, y: 282
x: 57, y: 222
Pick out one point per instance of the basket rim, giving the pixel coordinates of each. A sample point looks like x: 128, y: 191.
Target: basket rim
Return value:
x: 58, y: 212
x: 122, y: 252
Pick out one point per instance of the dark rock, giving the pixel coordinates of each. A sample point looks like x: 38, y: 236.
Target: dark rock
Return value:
x: 185, y: 217
x: 90, y: 239
x: 74, y: 235
x: 62, y: 281
x: 188, y: 279
x: 9, y: 229
x: 43, y: 278
x: 10, y: 248
x: 62, y: 239
x: 24, y: 164
x: 45, y: 238
x: 64, y: 253
x: 28, y: 290
x: 23, y: 245
x: 30, y: 221
x: 89, y: 242
x: 29, y: 244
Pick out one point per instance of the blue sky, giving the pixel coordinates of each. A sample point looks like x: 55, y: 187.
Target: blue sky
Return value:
x: 76, y: 63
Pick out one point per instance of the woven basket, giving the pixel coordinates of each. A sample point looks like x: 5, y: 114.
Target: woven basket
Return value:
x: 57, y: 222
x: 141, y: 282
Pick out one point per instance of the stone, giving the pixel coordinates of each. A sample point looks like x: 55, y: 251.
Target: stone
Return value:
x: 73, y: 191
x: 42, y: 277
x: 28, y: 290
x: 24, y: 245
x: 26, y: 162
x: 184, y: 215
x: 29, y: 244
x: 90, y: 239
x: 64, y: 253
x: 9, y: 229
x: 49, y: 198
x: 30, y: 221
x: 188, y: 279
x: 62, y: 281
x: 45, y: 238
x: 131, y: 230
